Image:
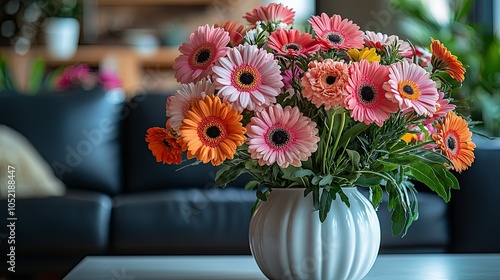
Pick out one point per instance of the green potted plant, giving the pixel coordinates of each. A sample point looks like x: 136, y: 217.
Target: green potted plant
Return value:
x: 479, y: 49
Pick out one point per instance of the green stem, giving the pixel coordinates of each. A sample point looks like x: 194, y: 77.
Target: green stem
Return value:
x: 327, y: 143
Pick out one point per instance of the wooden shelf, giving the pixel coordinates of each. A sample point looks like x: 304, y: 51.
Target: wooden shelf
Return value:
x: 129, y: 61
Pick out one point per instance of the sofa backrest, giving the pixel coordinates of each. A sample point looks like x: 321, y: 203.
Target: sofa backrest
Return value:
x: 141, y: 171
x: 77, y: 132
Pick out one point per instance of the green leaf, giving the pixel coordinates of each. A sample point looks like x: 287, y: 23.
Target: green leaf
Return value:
x: 262, y: 195
x: 376, y: 194
x: 36, y: 76
x: 315, y: 191
x: 326, y: 180
x: 362, y: 181
x: 426, y: 174
x: 325, y: 205
x: 251, y: 184
x: 351, y: 133
x: 398, y: 219
x: 301, y: 173
x: 354, y: 157
x: 228, y: 173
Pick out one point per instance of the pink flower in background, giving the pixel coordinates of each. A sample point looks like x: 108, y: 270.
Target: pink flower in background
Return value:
x: 75, y: 75
x: 289, y: 76
x: 442, y: 108
x: 109, y: 80
x: 382, y: 41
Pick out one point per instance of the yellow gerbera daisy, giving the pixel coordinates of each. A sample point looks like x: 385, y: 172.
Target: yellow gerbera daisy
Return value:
x: 369, y: 54
x: 455, y: 140
x: 211, y: 131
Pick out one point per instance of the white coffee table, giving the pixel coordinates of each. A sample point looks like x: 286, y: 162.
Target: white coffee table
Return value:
x: 407, y: 266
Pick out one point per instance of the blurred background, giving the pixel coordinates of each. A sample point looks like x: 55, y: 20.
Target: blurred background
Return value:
x: 138, y: 39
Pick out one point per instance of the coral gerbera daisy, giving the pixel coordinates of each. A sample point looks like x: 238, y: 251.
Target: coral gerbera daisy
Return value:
x: 163, y: 144
x: 236, y: 32
x: 455, y: 140
x: 198, y: 55
x: 442, y: 59
x: 248, y: 77
x: 181, y: 102
x: 366, y: 98
x: 272, y: 13
x: 336, y: 33
x: 212, y: 131
x: 291, y: 43
x: 281, y: 135
x: 324, y: 83
x: 411, y: 87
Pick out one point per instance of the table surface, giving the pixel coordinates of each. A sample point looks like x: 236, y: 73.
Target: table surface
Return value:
x: 386, y: 267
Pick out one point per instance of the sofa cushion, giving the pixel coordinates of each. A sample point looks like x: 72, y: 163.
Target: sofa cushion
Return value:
x: 191, y: 221
x: 76, y: 132
x: 75, y: 223
x: 19, y: 160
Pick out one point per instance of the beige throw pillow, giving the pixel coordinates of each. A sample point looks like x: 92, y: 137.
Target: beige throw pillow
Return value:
x: 33, y: 176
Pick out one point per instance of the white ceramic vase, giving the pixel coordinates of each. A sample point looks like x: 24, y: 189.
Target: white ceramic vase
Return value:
x: 288, y: 241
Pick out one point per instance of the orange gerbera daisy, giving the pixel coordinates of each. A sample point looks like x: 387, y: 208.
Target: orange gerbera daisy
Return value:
x: 236, y: 31
x: 211, y: 131
x: 455, y: 139
x: 442, y: 59
x: 164, y: 145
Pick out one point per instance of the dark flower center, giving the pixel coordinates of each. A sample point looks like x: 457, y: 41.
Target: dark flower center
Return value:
x: 280, y: 137
x: 367, y: 93
x: 213, y: 132
x: 203, y: 56
x: 292, y: 47
x: 331, y: 80
x: 451, y: 143
x: 408, y: 89
x: 246, y: 78
x: 335, y: 38
x: 166, y: 143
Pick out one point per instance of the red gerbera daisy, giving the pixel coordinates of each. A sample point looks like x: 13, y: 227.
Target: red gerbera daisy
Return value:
x: 292, y: 43
x: 163, y: 145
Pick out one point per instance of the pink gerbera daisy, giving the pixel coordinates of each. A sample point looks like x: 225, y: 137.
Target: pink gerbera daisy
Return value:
x: 410, y: 86
x: 272, y: 13
x: 206, y: 45
x: 248, y: 78
x: 292, y: 43
x: 336, y: 33
x: 366, y: 98
x: 284, y: 136
x: 181, y: 102
x: 442, y: 108
x: 324, y: 83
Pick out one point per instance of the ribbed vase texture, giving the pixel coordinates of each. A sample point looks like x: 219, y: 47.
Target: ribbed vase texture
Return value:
x: 288, y: 241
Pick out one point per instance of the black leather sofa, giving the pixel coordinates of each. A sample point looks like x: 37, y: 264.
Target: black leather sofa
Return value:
x: 119, y: 200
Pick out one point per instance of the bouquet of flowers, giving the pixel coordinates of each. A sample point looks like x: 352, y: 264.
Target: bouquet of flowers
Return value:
x: 321, y: 110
